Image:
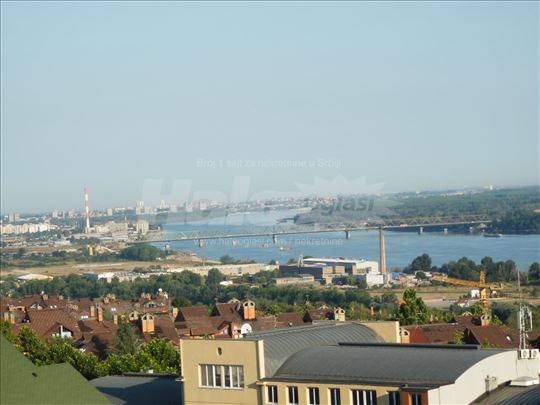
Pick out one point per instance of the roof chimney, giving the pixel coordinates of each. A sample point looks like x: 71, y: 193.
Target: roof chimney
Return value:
x: 339, y: 314
x: 92, y: 311
x: 100, y: 314
x: 147, y: 323
x: 404, y: 335
x: 248, y: 310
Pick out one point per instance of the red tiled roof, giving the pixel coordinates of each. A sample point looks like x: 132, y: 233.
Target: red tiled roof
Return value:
x: 188, y: 313
x: 441, y: 333
x: 164, y: 328
x: 227, y: 311
x: 498, y: 336
x: 466, y: 320
x: 290, y: 319
x: 319, y: 314
x: 45, y: 320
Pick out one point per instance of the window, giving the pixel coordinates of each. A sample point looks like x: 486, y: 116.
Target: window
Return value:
x: 416, y: 399
x: 292, y: 395
x: 335, y: 396
x: 271, y: 395
x: 221, y: 376
x: 313, y: 396
x: 364, y: 397
x: 393, y: 398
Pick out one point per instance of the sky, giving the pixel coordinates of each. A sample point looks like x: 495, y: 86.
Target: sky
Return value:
x: 241, y: 100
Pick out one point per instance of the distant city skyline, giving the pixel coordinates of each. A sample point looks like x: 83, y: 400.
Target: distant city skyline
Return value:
x: 271, y: 98
x: 167, y: 203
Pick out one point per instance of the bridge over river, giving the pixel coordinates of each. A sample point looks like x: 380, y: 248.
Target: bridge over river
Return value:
x: 473, y: 222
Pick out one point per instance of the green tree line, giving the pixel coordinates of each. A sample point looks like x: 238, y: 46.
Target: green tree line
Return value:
x: 157, y: 354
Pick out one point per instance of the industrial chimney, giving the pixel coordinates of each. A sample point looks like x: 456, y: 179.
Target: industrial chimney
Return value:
x: 86, y: 210
x: 382, y: 256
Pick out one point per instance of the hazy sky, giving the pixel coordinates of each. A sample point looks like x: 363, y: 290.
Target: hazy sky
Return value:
x: 122, y: 96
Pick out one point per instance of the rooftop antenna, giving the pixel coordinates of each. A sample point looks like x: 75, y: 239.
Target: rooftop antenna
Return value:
x: 525, y: 323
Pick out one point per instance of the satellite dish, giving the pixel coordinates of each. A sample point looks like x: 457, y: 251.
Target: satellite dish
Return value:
x: 246, y: 329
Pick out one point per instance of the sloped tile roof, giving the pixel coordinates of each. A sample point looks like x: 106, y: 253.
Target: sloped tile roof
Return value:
x: 43, y: 320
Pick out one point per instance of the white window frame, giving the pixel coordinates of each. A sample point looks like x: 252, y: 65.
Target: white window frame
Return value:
x: 292, y: 401
x: 363, y: 397
x: 418, y: 396
x: 392, y: 400
x: 275, y: 396
x: 330, y: 397
x: 317, y: 401
x: 231, y: 377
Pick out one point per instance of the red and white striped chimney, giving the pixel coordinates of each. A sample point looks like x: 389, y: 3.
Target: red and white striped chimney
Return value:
x: 382, y: 255
x: 87, y: 210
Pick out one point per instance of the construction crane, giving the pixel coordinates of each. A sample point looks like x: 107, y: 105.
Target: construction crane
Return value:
x: 485, y: 291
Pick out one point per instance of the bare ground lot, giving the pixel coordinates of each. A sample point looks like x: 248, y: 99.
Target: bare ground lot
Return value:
x: 76, y: 268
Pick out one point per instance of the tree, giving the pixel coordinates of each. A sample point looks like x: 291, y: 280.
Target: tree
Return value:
x: 486, y: 344
x: 7, y: 332
x: 413, y: 310
x: 162, y: 356
x: 226, y: 259
x: 420, y: 275
x: 142, y: 252
x: 127, y: 340
x: 20, y: 253
x: 464, y: 269
x: 534, y: 272
x: 458, y: 337
x: 180, y: 302
x: 32, y: 346
x: 421, y: 263
x: 214, y: 277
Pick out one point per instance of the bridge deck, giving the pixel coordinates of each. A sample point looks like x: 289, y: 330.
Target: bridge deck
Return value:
x: 207, y: 235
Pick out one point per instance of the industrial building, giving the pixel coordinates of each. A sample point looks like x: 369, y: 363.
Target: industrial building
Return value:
x: 327, y: 270
x: 301, y: 279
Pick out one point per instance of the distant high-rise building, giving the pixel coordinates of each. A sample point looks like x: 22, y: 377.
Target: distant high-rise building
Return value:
x: 188, y: 207
x: 203, y: 205
x: 14, y: 217
x: 142, y: 227
x: 110, y: 212
x: 149, y: 210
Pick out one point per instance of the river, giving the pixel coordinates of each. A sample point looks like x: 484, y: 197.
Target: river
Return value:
x: 401, y: 247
